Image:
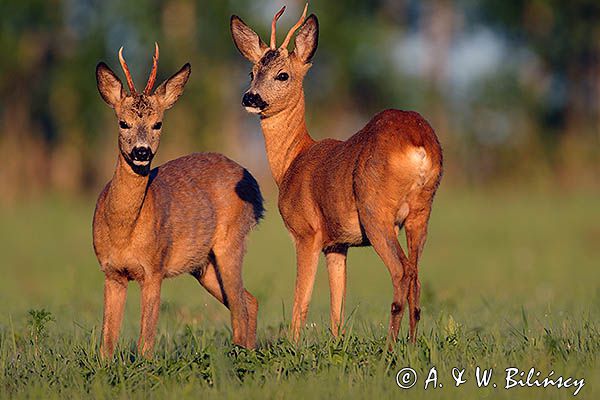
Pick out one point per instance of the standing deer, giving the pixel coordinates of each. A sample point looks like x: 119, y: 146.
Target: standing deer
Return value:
x: 190, y: 215
x: 337, y: 194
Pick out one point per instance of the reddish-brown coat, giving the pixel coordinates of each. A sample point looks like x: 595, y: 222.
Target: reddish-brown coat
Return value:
x: 331, y: 178
x: 190, y: 215
x: 336, y: 194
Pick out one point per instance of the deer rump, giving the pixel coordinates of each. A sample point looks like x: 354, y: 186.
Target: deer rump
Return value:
x: 388, y: 169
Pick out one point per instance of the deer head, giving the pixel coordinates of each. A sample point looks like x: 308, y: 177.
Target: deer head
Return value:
x: 140, y: 114
x: 277, y: 75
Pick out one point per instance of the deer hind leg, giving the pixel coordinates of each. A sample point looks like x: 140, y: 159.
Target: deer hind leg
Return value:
x: 228, y: 265
x: 416, y: 234
x: 381, y: 232
x: 211, y: 281
x: 115, y: 293
x: 252, y: 307
x: 307, y: 258
x: 336, y: 268
x: 150, y: 286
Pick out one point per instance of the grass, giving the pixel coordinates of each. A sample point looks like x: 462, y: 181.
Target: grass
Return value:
x: 509, y: 280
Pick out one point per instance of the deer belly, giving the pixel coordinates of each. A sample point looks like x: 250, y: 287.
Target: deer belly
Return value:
x: 139, y: 260
x: 344, y: 228
x: 186, y: 264
x: 187, y: 256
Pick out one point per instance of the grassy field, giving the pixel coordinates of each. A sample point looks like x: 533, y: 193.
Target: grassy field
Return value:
x: 509, y: 280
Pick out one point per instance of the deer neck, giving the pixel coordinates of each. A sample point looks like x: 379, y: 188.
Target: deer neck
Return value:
x: 125, y: 197
x: 286, y: 137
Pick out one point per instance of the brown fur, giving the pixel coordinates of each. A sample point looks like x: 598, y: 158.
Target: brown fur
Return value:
x: 337, y: 194
x: 190, y: 215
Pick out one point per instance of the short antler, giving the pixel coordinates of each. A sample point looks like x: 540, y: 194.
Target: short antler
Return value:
x: 152, y: 77
x: 273, y: 28
x: 291, y: 32
x: 126, y: 71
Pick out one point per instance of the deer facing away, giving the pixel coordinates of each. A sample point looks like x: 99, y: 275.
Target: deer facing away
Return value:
x: 189, y: 215
x: 337, y: 194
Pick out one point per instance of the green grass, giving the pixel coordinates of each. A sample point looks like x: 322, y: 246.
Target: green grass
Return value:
x: 509, y: 280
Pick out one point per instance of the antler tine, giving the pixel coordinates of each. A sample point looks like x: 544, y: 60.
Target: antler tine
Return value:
x: 291, y: 32
x: 152, y: 77
x: 127, y: 73
x: 273, y: 28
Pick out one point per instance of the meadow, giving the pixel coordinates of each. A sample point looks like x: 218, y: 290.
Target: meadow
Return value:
x: 509, y: 279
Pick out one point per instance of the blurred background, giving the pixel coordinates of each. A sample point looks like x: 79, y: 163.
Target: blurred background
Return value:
x: 511, y: 87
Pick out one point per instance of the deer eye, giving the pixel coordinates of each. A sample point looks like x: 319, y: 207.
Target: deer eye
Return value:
x: 157, y: 125
x: 251, y: 75
x: 282, y: 76
x: 124, y: 125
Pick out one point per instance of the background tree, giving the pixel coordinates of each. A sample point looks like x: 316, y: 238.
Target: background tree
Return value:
x: 505, y: 83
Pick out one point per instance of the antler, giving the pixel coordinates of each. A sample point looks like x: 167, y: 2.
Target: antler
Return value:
x: 127, y: 73
x: 291, y: 32
x: 273, y: 24
x: 152, y: 77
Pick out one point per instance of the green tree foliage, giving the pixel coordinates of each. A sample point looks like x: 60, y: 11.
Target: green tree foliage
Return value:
x: 56, y: 134
x: 566, y: 37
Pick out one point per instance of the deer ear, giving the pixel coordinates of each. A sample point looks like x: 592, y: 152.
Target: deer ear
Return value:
x: 246, y: 40
x: 109, y: 85
x: 307, y: 39
x: 169, y: 91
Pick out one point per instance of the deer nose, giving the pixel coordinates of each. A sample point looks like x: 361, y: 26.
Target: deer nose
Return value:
x: 253, y: 100
x: 141, y: 153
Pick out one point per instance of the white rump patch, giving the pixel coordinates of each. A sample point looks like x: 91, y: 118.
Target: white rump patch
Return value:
x: 418, y: 157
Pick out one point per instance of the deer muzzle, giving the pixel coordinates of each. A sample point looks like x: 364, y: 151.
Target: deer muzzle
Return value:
x: 253, y: 103
x: 141, y: 155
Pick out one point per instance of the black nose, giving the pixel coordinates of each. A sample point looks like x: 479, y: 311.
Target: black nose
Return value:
x: 141, y: 153
x: 253, y: 100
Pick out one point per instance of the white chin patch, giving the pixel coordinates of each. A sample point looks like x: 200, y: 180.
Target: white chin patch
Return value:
x: 253, y: 110
x: 141, y: 163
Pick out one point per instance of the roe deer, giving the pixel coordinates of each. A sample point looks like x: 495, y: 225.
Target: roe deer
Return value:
x: 338, y: 194
x: 190, y: 215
